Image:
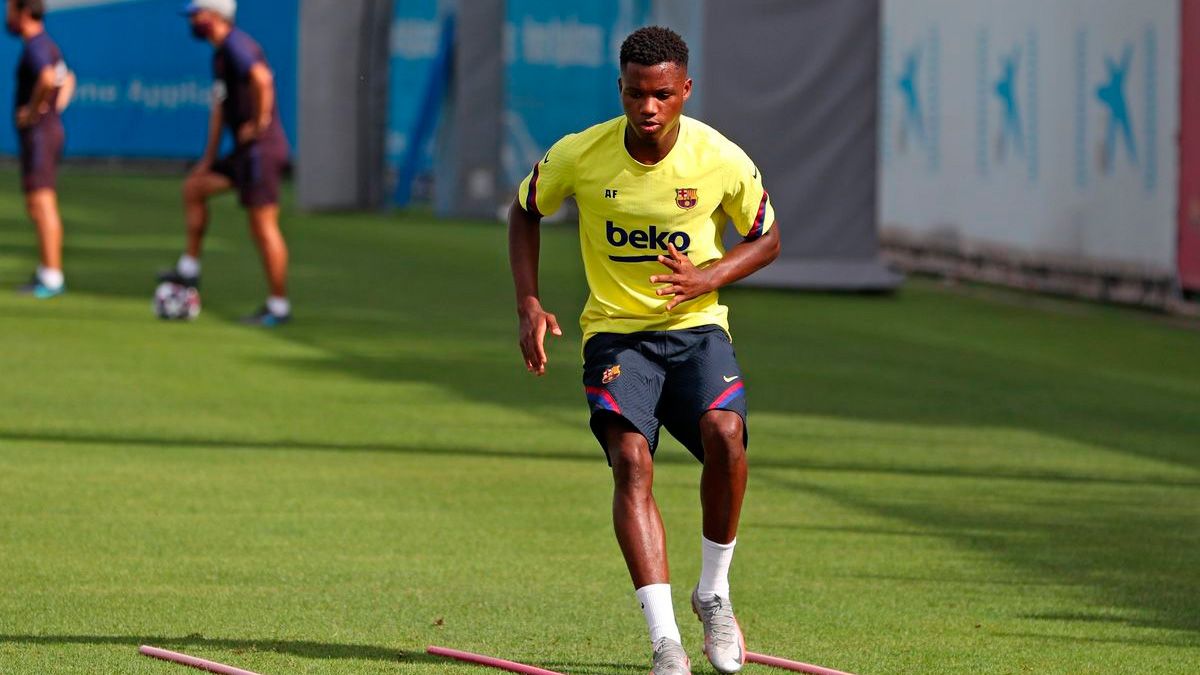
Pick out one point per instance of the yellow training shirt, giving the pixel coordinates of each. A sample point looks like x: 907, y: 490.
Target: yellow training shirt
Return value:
x: 629, y: 212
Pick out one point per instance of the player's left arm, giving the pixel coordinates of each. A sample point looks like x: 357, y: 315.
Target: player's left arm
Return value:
x: 262, y: 83
x: 749, y: 207
x: 39, y: 100
x: 688, y: 282
x: 66, y: 90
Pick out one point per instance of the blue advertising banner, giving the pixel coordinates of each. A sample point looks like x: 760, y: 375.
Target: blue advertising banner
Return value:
x: 561, y: 62
x: 143, y: 82
x: 416, y: 74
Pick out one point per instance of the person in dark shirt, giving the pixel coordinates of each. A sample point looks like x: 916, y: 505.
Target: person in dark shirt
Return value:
x: 44, y: 88
x: 244, y: 104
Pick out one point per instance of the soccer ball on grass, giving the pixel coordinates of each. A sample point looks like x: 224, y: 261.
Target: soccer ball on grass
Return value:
x: 176, y: 302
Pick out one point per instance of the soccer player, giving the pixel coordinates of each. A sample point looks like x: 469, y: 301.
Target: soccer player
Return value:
x: 654, y: 190
x: 44, y: 89
x: 244, y: 103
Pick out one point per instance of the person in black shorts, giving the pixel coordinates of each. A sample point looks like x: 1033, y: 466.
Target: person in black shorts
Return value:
x: 44, y: 89
x: 244, y: 103
x: 655, y: 189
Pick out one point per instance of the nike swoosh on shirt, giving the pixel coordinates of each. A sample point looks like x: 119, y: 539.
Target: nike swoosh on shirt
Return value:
x: 730, y: 379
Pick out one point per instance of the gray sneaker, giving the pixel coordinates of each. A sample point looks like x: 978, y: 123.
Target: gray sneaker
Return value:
x: 723, y: 642
x: 670, y: 659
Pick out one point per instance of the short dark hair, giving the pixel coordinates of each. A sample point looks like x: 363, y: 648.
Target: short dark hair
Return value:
x: 36, y: 8
x: 652, y: 45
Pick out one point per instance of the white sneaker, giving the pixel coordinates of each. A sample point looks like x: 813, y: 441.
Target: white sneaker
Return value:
x: 724, y: 644
x: 670, y: 659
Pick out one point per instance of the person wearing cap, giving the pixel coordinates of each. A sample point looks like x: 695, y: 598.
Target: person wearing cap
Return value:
x: 243, y: 103
x: 44, y: 88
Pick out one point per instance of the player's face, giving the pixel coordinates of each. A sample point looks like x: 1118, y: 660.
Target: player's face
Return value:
x: 653, y: 97
x: 201, y: 23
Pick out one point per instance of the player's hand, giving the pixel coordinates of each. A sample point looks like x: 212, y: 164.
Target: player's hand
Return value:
x: 535, y: 322
x: 247, y: 133
x: 202, y: 166
x: 25, y: 117
x: 686, y: 281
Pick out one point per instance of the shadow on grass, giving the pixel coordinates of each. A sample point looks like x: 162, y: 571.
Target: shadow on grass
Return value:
x: 594, y: 667
x: 301, y: 648
x: 1145, y: 642
x: 1139, y: 553
x: 591, y: 457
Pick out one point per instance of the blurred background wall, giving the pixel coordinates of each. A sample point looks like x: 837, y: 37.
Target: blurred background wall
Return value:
x: 1033, y: 142
x: 1047, y: 144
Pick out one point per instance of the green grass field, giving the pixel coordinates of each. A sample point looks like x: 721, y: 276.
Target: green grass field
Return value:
x: 941, y: 481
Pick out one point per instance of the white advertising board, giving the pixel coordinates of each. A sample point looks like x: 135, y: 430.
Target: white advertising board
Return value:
x: 1047, y: 127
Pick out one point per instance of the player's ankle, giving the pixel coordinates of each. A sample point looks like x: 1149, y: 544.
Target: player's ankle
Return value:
x: 279, y: 305
x: 188, y: 266
x: 50, y: 277
x: 659, y: 611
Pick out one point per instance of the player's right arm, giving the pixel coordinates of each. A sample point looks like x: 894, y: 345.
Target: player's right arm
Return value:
x: 524, y: 244
x: 541, y: 193
x: 213, y: 144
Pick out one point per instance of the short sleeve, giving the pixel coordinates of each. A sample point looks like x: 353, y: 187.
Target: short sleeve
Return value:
x: 243, y: 55
x: 42, y: 55
x: 746, y: 200
x: 551, y: 181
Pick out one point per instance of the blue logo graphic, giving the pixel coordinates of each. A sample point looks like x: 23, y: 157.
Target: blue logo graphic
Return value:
x: 1112, y: 96
x: 1127, y: 98
x: 908, y: 84
x: 910, y: 99
x: 1010, y: 130
x: 1006, y: 123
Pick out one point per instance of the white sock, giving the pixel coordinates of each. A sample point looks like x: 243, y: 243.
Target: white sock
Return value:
x: 660, y: 613
x: 50, y: 278
x: 714, y: 568
x: 188, y: 266
x: 279, y: 306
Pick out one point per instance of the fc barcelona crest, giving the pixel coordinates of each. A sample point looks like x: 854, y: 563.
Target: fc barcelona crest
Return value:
x: 685, y: 198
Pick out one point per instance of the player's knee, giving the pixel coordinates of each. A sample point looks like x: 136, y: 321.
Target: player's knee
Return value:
x: 723, y: 432
x: 633, y: 466
x: 193, y: 190
x: 38, y: 204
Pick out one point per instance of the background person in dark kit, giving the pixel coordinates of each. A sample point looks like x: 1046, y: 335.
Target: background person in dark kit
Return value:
x: 244, y: 103
x: 44, y: 89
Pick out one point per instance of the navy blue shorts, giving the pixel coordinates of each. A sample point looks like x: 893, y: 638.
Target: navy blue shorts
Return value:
x: 255, y: 169
x: 659, y: 379
x: 41, y: 151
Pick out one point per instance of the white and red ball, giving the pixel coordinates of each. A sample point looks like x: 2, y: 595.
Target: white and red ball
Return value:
x: 176, y: 302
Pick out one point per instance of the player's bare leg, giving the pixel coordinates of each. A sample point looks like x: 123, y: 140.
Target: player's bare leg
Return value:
x: 42, y: 207
x: 264, y: 228
x: 640, y: 533
x: 722, y: 489
x: 723, y: 481
x: 198, y: 188
x: 636, y: 518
